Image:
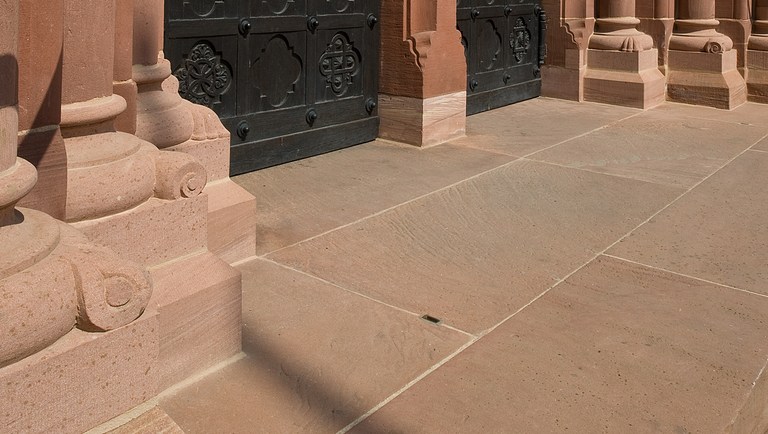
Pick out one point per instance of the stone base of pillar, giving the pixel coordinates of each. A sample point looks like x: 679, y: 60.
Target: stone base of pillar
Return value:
x: 199, y: 305
x: 624, y: 78
x: 231, y: 209
x: 423, y: 122
x: 708, y: 79
x: 565, y: 82
x: 562, y: 83
x: 196, y: 294
x: 126, y: 121
x: 757, y: 76
x: 44, y: 147
x: 231, y: 221
x: 82, y: 380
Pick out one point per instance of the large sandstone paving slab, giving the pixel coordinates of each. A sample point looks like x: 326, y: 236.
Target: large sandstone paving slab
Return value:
x: 616, y: 348
x: 474, y: 253
x: 305, y: 198
x: 717, y: 231
x: 529, y: 126
x: 749, y: 113
x: 318, y: 357
x: 762, y: 145
x: 667, y: 146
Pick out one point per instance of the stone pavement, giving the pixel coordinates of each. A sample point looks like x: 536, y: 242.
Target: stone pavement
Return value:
x: 583, y: 268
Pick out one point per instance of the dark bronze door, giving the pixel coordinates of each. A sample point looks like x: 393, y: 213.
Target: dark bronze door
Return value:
x: 288, y: 78
x: 504, y: 45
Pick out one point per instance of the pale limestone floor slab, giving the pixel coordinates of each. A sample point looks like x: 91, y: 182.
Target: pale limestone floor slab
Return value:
x: 616, y: 298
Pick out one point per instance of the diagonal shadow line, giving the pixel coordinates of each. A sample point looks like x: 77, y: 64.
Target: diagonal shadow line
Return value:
x: 328, y: 408
x: 43, y: 146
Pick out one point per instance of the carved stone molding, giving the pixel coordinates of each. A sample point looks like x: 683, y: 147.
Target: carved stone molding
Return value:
x: 52, y: 278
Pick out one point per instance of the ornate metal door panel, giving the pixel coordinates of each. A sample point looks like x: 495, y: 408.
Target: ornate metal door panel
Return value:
x: 504, y: 45
x: 289, y: 78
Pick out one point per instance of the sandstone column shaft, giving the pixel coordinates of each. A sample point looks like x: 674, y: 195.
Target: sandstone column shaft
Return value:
x: 16, y: 175
x: 695, y: 28
x: 108, y: 172
x: 616, y: 28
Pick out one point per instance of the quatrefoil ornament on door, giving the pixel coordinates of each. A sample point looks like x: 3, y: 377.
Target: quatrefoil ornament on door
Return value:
x: 339, y: 64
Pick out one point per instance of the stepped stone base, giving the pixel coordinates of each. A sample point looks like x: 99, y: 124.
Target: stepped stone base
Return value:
x: 82, y: 380
x: 757, y: 76
x: 630, y: 79
x: 708, y: 79
x: 198, y: 301
x: 423, y: 122
x: 154, y: 421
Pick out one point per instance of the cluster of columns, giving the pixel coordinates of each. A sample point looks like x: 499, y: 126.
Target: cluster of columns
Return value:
x: 117, y: 217
x: 641, y: 53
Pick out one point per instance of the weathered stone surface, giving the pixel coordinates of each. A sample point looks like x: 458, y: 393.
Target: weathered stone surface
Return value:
x: 617, y: 347
x: 317, y: 357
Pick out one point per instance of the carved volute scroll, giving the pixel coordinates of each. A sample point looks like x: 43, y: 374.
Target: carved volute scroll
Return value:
x: 39, y: 288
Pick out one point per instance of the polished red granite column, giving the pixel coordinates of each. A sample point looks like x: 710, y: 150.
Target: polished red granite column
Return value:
x: 422, y: 81
x: 702, y: 62
x: 622, y: 64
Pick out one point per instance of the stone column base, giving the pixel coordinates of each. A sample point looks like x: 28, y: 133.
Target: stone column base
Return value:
x: 562, y: 83
x: 757, y: 76
x: 196, y: 295
x: 423, y: 122
x: 630, y: 79
x: 82, y: 380
x: 708, y: 79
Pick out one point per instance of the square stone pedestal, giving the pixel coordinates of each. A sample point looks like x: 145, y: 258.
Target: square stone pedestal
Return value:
x: 630, y: 79
x: 757, y: 76
x: 708, y: 79
x: 423, y: 122
x: 82, y: 380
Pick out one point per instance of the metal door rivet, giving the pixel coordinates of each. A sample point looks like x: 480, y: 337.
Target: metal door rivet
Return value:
x: 370, y: 105
x: 312, y: 23
x: 244, y: 26
x: 311, y: 116
x: 372, y: 20
x: 243, y: 129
